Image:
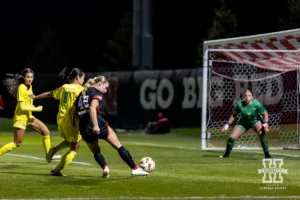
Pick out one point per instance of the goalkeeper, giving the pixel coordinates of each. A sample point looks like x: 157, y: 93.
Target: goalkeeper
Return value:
x: 251, y: 112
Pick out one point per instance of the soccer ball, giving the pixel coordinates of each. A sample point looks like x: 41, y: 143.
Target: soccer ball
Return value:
x: 147, y: 164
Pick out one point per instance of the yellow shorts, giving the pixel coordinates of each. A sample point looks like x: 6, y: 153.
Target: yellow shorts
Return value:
x: 69, y: 132
x: 22, y: 123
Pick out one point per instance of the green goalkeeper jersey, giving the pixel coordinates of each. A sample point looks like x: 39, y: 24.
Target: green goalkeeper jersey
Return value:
x: 251, y: 113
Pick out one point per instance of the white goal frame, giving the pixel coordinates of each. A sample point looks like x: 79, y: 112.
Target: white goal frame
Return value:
x: 205, y: 77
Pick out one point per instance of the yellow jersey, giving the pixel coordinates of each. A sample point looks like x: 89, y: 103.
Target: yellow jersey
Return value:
x: 66, y: 95
x: 23, y: 93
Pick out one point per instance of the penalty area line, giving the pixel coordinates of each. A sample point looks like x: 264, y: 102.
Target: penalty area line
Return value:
x: 37, y: 158
x: 167, y: 198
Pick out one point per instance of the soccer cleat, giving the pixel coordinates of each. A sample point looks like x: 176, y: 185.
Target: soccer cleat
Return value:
x: 54, y: 173
x: 139, y: 172
x: 105, y: 172
x: 50, y: 154
x: 56, y: 157
x: 267, y: 155
x: 225, y: 156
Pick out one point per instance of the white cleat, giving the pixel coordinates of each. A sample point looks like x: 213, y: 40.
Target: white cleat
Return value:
x: 105, y: 172
x: 139, y: 172
x: 56, y: 157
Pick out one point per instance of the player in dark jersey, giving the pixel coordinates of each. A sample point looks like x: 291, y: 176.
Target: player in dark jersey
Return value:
x: 93, y: 126
x: 251, y: 112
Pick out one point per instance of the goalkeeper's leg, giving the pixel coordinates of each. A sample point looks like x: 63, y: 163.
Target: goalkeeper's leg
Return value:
x: 236, y: 132
x: 258, y: 128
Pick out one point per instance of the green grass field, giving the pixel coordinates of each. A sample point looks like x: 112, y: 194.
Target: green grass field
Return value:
x: 183, y: 171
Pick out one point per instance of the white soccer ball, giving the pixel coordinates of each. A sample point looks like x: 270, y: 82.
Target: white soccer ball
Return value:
x: 147, y: 164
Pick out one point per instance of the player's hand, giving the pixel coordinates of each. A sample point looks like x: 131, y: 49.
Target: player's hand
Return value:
x: 225, y: 127
x: 266, y: 127
x: 40, y: 108
x: 96, y: 130
x: 32, y: 96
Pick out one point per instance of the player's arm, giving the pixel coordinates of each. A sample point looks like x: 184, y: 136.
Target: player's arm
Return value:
x: 93, y: 115
x: 231, y: 119
x: 30, y: 107
x: 22, y: 94
x: 265, y: 117
x: 44, y: 95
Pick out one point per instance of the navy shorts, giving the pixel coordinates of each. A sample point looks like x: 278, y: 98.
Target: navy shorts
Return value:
x: 89, y: 136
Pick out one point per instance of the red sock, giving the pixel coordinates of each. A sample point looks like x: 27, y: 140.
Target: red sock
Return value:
x: 135, y: 167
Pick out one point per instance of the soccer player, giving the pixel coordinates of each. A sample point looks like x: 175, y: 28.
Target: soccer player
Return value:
x: 19, y: 85
x: 66, y: 94
x: 93, y: 126
x: 251, y: 112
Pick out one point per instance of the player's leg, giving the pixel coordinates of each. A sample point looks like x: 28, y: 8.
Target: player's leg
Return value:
x: 95, y: 149
x: 258, y: 128
x: 72, y: 136
x: 53, y: 150
x: 113, y: 140
x: 18, y: 138
x: 41, y: 128
x: 236, y: 132
x: 62, y: 145
x: 66, y: 159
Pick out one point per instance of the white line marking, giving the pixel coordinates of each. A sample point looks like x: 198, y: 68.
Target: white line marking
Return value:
x: 168, y: 198
x: 199, y: 149
x: 37, y: 158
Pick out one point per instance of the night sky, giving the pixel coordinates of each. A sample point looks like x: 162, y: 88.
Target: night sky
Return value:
x: 83, y: 27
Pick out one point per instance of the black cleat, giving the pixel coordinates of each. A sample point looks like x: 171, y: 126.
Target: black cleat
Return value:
x: 267, y: 155
x: 54, y: 173
x: 225, y: 156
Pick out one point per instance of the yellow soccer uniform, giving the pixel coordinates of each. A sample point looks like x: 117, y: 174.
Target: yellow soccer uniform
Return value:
x: 23, y: 117
x: 67, y: 95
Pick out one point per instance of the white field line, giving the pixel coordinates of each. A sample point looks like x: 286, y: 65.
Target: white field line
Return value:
x: 199, y: 149
x: 167, y: 198
x: 37, y: 158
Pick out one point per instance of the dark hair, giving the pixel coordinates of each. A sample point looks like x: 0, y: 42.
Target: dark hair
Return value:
x: 13, y: 81
x: 248, y: 91
x: 68, y: 75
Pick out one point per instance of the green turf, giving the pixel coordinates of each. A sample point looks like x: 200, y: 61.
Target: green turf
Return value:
x: 179, y: 172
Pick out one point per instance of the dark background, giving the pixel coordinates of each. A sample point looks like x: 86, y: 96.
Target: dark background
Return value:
x: 47, y: 35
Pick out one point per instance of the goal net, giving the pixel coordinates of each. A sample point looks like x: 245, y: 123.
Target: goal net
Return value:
x: 266, y: 64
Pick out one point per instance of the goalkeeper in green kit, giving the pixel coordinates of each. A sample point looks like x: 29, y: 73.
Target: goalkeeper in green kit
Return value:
x: 253, y: 115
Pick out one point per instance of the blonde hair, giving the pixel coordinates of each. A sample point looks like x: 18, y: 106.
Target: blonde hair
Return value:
x: 100, y: 79
x: 93, y: 81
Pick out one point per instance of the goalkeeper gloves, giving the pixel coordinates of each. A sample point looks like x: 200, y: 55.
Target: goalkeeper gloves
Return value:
x: 225, y: 127
x: 266, y: 126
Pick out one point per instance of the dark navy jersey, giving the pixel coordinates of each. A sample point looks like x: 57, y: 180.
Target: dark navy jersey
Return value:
x: 83, y: 103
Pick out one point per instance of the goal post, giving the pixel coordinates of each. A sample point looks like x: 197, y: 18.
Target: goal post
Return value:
x: 268, y: 65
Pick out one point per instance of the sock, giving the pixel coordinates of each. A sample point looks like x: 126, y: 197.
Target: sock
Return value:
x: 46, y: 143
x: 8, y: 147
x: 125, y: 155
x: 264, y: 142
x: 65, y: 160
x: 229, y: 146
x: 64, y: 144
x: 100, y: 159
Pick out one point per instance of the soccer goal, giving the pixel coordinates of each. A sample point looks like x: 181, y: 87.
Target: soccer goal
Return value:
x: 268, y: 65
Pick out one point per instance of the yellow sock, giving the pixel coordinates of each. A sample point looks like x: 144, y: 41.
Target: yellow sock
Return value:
x: 8, y: 147
x: 65, y: 160
x: 64, y: 144
x: 46, y: 143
